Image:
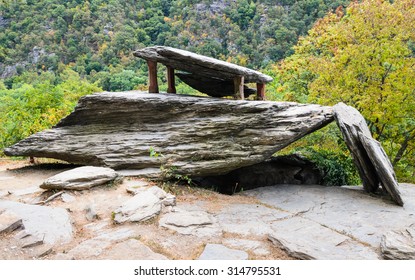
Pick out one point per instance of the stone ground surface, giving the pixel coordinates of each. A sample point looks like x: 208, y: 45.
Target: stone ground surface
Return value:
x: 279, y: 222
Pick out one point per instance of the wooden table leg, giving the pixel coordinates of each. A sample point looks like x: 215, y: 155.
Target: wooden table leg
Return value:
x: 171, y: 87
x: 152, y: 77
x: 260, y: 91
x: 239, y: 87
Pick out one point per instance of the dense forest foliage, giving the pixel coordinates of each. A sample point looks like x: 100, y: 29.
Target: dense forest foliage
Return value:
x: 54, y: 51
x: 41, y: 41
x: 99, y: 36
x: 363, y: 56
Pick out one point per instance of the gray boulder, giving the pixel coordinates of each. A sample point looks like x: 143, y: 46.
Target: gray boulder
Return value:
x: 146, y: 204
x: 142, y: 207
x: 80, y: 178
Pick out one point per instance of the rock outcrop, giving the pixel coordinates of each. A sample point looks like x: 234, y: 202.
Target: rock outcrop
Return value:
x: 306, y: 221
x: 370, y: 159
x: 182, y: 134
x: 178, y: 135
x: 146, y: 204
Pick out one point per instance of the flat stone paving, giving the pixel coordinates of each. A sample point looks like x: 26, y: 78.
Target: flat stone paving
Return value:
x: 306, y: 222
x: 333, y: 217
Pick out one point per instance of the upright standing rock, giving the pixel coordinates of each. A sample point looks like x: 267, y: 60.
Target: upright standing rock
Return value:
x: 370, y: 159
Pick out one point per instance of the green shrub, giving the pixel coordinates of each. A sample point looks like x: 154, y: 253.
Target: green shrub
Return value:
x: 337, y: 168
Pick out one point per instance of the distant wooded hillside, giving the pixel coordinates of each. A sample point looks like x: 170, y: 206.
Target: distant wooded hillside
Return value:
x: 96, y: 37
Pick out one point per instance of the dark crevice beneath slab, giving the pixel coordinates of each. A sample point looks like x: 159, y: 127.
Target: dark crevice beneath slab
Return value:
x: 289, y: 169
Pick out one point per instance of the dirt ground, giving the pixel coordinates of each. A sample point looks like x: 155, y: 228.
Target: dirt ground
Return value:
x: 19, y: 181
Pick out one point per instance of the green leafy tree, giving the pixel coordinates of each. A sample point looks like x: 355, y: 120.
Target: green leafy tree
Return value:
x: 125, y: 80
x: 364, y: 57
x: 29, y: 108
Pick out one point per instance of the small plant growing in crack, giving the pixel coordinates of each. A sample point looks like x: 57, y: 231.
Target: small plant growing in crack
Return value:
x: 169, y: 172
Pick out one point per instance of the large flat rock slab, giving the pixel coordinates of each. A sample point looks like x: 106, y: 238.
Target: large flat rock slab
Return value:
x: 307, y: 240
x: 81, y: 178
x: 249, y: 219
x: 259, y: 248
x: 188, y: 135
x: 203, y: 65
x: 346, y: 210
x: 51, y: 225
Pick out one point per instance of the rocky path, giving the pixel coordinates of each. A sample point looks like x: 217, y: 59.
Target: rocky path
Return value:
x: 179, y: 234
x: 138, y: 219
